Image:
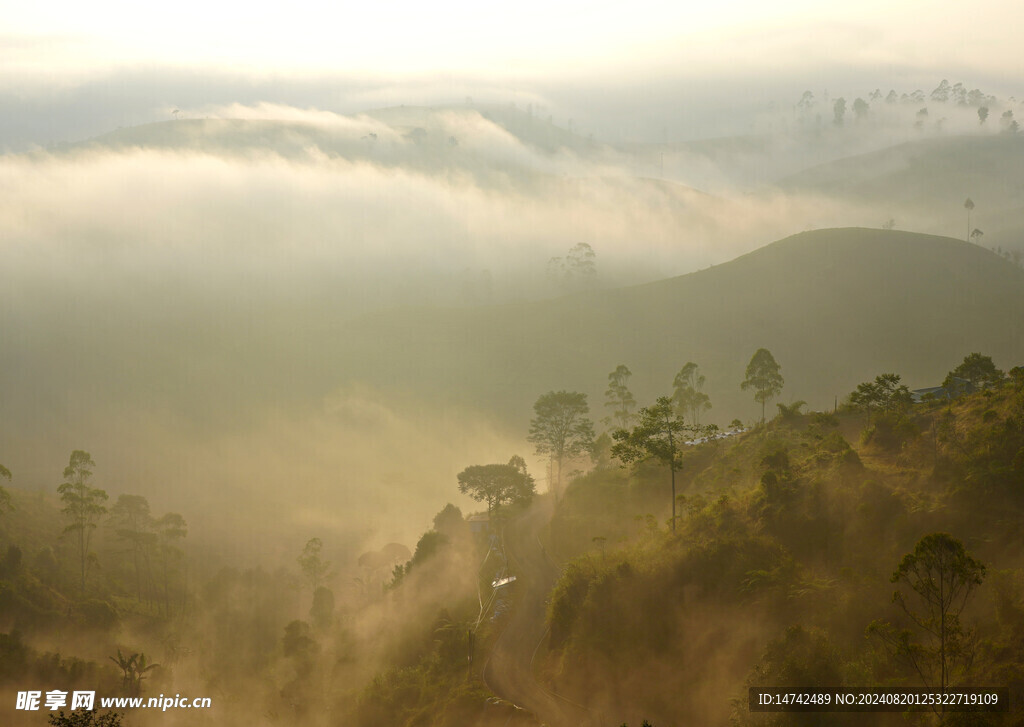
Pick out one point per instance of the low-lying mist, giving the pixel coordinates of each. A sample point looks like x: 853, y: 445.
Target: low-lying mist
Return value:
x: 172, y: 295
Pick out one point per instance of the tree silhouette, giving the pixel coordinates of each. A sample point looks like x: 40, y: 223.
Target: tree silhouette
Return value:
x: 560, y: 428
x: 690, y: 400
x: 885, y: 393
x: 979, y: 370
x: 942, y: 575
x: 860, y: 109
x: 170, y: 528
x: 133, y: 669
x: 134, y: 525
x: 5, y: 496
x: 497, y: 484
x: 619, y: 397
x: 313, y: 566
x: 83, y: 505
x: 763, y: 377
x: 661, y: 434
x: 839, y: 111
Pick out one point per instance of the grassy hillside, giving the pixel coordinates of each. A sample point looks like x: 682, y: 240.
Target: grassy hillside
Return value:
x: 831, y: 305
x: 779, y: 571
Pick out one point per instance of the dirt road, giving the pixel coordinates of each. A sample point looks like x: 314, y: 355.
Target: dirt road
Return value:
x: 509, y: 670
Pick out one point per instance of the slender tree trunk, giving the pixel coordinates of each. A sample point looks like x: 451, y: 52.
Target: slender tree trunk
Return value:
x: 81, y: 553
x: 673, y: 469
x: 558, y: 489
x: 167, y: 601
x: 138, y: 574
x: 942, y: 632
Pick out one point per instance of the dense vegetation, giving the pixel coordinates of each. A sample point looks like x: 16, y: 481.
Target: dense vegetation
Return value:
x: 781, y: 570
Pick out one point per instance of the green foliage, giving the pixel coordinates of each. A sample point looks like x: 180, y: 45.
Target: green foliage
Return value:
x: 661, y: 434
x: 560, y: 427
x: 498, y: 484
x: 764, y: 377
x: 976, y: 369
x: 1016, y: 375
x: 791, y: 414
x: 889, y: 431
x: 884, y: 394
x: 886, y: 402
x: 800, y: 658
x: 943, y: 575
x: 803, y: 658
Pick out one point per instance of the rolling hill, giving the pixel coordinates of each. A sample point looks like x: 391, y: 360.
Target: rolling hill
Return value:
x: 924, y: 184
x: 836, y: 307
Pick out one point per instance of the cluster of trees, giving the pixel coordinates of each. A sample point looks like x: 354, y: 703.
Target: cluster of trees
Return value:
x: 562, y: 430
x: 689, y: 401
x: 150, y: 561
x: 886, y: 403
x: 800, y: 550
x: 576, y: 271
x: 944, y: 93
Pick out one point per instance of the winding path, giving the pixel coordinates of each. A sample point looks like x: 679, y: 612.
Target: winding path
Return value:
x: 508, y: 672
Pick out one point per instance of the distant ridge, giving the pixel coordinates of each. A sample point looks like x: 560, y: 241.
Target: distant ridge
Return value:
x: 835, y: 307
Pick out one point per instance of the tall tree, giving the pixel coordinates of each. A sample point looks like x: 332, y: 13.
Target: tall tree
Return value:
x: 763, y: 377
x: 839, y: 111
x: 977, y: 369
x: 560, y: 428
x: 133, y: 525
x: 170, y: 528
x: 885, y: 393
x: 860, y: 109
x: 83, y: 505
x: 661, y: 434
x: 5, y: 496
x: 313, y: 566
x: 690, y: 400
x: 576, y: 271
x: 497, y: 484
x: 943, y: 575
x: 618, y: 397
x: 581, y: 264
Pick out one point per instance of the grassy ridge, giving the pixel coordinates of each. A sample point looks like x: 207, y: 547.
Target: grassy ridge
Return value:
x: 782, y: 562
x: 829, y: 304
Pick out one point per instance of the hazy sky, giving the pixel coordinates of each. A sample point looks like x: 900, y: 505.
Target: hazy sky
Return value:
x: 525, y: 39
x: 625, y: 70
